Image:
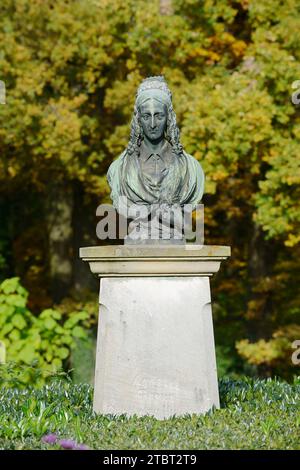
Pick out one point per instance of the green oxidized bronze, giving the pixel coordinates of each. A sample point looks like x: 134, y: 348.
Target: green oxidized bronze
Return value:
x: 154, y: 171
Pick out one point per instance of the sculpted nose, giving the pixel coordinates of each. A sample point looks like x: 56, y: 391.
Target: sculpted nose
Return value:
x: 152, y: 121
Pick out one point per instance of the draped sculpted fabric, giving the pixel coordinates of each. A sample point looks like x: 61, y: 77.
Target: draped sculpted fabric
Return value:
x: 183, y: 183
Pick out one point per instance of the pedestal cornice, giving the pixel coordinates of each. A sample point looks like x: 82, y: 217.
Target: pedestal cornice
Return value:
x: 145, y: 261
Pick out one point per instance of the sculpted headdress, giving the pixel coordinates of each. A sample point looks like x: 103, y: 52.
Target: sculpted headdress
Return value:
x: 154, y: 87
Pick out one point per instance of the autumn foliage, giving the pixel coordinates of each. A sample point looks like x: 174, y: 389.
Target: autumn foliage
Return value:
x: 71, y: 69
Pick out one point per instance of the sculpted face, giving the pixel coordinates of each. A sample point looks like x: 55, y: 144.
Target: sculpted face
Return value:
x: 153, y: 119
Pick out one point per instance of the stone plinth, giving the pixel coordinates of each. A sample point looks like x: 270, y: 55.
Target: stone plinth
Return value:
x: 155, y: 346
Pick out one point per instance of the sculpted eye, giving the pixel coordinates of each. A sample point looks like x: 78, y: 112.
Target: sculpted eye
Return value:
x: 145, y: 117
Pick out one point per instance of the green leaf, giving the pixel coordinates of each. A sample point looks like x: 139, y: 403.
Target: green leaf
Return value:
x: 44, y: 344
x: 79, y: 332
x: 50, y: 324
x: 82, y: 315
x: 18, y: 321
x: 66, y: 339
x: 22, y: 291
x: 6, y: 329
x: 57, y: 315
x: 10, y: 285
x: 62, y: 353
x: 6, y: 310
x: 49, y: 356
x: 50, y: 313
x: 59, y: 329
x: 70, y: 323
x: 16, y: 300
x: 57, y: 363
x: 14, y: 335
x: 28, y: 354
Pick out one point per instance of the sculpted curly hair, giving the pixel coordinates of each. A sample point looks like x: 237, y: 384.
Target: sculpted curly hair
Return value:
x: 172, y: 134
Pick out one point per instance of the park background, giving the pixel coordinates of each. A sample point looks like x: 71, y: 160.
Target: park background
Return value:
x: 71, y: 70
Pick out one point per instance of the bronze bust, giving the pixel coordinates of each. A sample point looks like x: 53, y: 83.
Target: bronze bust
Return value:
x: 154, y: 172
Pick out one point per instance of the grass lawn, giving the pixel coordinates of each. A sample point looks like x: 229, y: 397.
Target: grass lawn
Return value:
x: 254, y: 414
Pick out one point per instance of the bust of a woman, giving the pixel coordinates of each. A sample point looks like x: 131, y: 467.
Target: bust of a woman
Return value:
x: 154, y: 171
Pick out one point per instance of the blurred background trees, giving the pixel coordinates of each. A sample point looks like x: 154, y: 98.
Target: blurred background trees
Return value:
x: 71, y: 69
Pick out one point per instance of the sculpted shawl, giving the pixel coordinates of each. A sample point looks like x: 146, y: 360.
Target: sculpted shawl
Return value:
x: 183, y: 184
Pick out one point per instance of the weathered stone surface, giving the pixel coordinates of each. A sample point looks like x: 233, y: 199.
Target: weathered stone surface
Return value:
x: 122, y: 251
x: 126, y: 261
x: 155, y: 347
x: 155, y: 352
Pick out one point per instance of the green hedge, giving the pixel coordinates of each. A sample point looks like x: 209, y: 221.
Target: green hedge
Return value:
x: 254, y: 414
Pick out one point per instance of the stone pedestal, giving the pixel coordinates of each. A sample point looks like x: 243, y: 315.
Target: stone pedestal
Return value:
x: 155, y: 346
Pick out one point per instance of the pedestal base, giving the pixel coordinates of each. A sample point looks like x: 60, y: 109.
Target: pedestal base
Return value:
x: 155, y: 347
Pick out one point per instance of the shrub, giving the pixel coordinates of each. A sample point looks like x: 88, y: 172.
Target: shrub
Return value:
x: 254, y: 414
x: 46, y: 339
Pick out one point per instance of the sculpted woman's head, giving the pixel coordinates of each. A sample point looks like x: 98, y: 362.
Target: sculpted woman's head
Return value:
x: 153, y: 117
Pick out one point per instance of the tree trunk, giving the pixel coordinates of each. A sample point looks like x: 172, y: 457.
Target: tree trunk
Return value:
x: 59, y: 222
x: 84, y: 234
x: 262, y: 257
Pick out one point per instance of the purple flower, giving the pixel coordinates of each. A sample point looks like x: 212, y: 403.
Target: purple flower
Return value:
x: 49, y: 439
x: 82, y: 447
x: 68, y: 444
